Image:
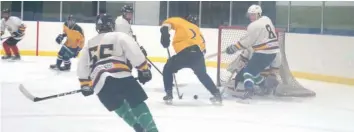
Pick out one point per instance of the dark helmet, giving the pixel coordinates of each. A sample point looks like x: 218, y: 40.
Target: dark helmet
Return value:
x: 192, y: 19
x: 71, y: 20
x: 105, y: 23
x: 5, y: 11
x: 127, y: 9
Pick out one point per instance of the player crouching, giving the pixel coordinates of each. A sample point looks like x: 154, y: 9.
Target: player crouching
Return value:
x: 267, y: 83
x: 189, y: 45
x: 72, y: 46
x: 17, y: 29
x: 103, y: 69
x: 261, y: 36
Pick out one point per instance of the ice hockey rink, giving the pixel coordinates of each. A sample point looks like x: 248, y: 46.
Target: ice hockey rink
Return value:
x: 332, y: 110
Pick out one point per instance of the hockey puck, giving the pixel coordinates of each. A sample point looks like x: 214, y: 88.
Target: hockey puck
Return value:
x: 195, y: 96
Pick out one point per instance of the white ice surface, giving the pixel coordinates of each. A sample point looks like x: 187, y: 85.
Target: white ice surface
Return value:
x: 331, y: 111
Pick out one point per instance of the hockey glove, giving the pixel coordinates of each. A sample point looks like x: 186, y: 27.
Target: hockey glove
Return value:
x: 144, y: 76
x: 231, y: 49
x: 143, y: 50
x: 59, y: 38
x: 86, y: 91
x: 165, y: 37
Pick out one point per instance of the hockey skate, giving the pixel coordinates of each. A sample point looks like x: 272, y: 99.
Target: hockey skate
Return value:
x: 54, y: 67
x: 168, y: 98
x: 16, y: 57
x: 6, y: 57
x: 217, y: 99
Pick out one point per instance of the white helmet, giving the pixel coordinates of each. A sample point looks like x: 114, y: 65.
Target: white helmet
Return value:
x: 255, y: 9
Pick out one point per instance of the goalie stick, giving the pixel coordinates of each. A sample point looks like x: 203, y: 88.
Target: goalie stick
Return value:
x: 28, y: 95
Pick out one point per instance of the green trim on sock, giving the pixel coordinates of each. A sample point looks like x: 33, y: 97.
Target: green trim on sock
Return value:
x: 144, y: 117
x: 126, y: 113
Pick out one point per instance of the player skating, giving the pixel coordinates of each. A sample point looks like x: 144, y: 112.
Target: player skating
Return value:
x: 123, y: 23
x: 16, y: 28
x: 72, y: 46
x: 189, y: 46
x: 262, y: 38
x: 103, y: 70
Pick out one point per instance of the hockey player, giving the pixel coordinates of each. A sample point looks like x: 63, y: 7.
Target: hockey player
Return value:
x: 269, y: 74
x: 261, y: 36
x: 188, y: 43
x: 123, y: 23
x: 17, y: 29
x: 72, y: 46
x: 103, y: 69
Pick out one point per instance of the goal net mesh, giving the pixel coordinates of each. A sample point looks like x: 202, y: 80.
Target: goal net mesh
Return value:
x: 288, y: 85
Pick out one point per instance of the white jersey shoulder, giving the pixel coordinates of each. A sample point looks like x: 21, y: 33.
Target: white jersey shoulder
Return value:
x: 106, y: 55
x: 12, y: 24
x: 122, y: 25
x: 261, y: 36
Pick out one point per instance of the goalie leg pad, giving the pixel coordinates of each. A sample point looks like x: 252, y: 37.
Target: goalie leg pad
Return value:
x: 257, y: 64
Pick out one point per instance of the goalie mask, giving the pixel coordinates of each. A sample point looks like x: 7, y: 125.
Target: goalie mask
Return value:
x: 254, y: 12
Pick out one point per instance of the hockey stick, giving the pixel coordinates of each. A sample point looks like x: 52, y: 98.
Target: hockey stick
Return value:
x: 36, y: 99
x: 214, y: 55
x: 174, y: 77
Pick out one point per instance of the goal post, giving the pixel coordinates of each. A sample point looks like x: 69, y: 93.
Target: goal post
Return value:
x: 288, y: 86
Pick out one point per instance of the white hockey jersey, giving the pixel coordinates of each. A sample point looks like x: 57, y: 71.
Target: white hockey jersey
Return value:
x: 106, y: 55
x: 12, y: 25
x: 122, y: 25
x: 261, y: 36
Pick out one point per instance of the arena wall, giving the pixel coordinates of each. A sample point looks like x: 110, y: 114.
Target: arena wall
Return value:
x: 316, y: 57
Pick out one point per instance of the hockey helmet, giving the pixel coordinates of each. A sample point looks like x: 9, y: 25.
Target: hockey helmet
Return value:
x: 127, y: 9
x: 192, y: 18
x: 71, y: 20
x: 254, y: 12
x: 5, y: 13
x: 127, y: 12
x: 105, y: 23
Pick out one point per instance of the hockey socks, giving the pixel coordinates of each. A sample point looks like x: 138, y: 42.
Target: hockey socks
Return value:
x: 7, y: 49
x: 144, y: 117
x: 126, y: 113
x: 15, y: 50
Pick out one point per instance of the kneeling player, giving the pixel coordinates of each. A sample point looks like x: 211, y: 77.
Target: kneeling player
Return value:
x: 72, y: 46
x: 103, y: 69
x: 261, y: 36
x: 17, y: 29
x: 267, y: 82
x: 189, y: 45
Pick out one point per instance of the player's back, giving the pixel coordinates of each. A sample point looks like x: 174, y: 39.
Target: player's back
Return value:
x: 186, y: 34
x: 266, y: 39
x: 109, y: 46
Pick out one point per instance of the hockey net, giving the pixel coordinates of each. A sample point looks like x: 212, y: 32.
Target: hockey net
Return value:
x: 288, y: 86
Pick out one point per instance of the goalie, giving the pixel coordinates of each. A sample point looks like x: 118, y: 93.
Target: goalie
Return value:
x: 267, y: 83
x: 263, y: 40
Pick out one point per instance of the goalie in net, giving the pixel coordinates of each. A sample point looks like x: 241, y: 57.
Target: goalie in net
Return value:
x: 276, y: 78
